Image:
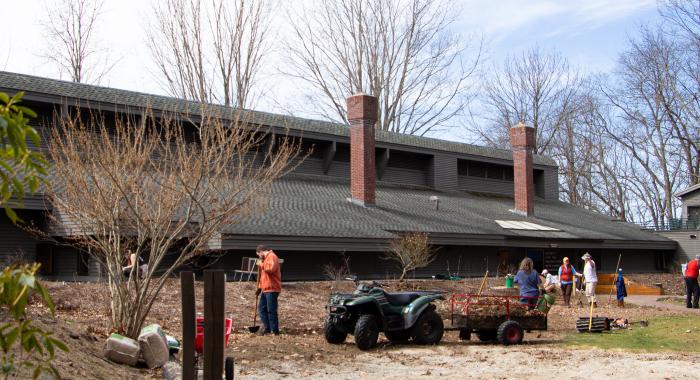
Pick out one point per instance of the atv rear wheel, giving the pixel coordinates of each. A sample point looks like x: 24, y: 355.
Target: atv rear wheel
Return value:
x: 332, y: 334
x: 398, y: 336
x: 487, y: 335
x: 510, y: 332
x: 366, y: 331
x: 428, y: 328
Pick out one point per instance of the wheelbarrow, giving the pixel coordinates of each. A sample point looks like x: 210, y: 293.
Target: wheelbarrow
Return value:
x: 199, y: 347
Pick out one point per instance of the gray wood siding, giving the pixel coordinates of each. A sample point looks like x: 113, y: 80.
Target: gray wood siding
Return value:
x: 405, y: 176
x: 339, y: 169
x: 485, y: 185
x: 444, y: 172
x: 690, y: 199
x: 687, y: 247
x: 551, y: 183
x: 16, y: 245
x: 309, y: 166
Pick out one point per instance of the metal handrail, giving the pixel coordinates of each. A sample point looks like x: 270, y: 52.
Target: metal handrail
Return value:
x: 675, y: 224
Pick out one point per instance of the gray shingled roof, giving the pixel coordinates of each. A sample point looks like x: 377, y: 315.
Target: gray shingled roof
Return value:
x: 96, y: 94
x: 303, y: 205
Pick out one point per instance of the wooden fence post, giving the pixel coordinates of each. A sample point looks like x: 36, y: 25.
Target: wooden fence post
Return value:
x: 189, y: 325
x: 214, y: 289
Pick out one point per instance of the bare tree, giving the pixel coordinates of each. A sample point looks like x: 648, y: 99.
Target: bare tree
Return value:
x: 647, y: 129
x: 410, y: 252
x: 156, y: 187
x: 210, y: 51
x: 71, y: 26
x: 537, y: 88
x: 681, y: 32
x: 402, y: 52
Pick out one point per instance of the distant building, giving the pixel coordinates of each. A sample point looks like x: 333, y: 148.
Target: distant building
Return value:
x: 485, y: 208
x: 685, y: 230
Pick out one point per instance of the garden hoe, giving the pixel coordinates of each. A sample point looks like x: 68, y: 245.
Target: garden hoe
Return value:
x: 254, y: 328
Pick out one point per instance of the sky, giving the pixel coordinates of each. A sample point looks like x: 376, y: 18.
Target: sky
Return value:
x: 589, y: 33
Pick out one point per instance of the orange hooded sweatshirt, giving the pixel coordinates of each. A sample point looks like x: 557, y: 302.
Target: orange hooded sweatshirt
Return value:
x: 270, y: 273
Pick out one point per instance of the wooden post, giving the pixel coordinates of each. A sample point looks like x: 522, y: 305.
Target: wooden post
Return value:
x: 214, y: 288
x: 189, y: 327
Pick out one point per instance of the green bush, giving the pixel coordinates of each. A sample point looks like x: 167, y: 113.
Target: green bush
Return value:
x: 24, y: 346
x: 21, y: 169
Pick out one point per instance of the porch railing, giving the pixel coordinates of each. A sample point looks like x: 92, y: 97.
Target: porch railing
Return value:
x: 691, y: 224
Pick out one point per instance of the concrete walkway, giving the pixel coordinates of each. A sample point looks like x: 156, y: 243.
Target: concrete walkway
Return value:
x: 651, y: 301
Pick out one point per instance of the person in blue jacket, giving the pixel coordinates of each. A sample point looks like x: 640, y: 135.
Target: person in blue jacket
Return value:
x: 621, y: 289
x: 528, y: 281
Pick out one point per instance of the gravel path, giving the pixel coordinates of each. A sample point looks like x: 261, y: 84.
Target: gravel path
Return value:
x: 453, y: 360
x: 652, y: 301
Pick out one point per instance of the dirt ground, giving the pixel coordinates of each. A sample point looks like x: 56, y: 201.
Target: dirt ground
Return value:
x: 82, y: 321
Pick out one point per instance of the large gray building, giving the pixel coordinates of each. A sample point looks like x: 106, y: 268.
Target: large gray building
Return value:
x: 483, y: 207
x: 685, y: 230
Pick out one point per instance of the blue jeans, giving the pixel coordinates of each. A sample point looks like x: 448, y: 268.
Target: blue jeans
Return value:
x: 267, y: 308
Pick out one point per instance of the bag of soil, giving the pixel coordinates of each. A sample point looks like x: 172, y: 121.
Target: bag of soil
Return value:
x: 154, y: 346
x: 122, y: 350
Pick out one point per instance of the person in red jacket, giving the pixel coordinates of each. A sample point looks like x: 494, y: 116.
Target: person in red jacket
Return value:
x: 270, y: 285
x: 691, y: 283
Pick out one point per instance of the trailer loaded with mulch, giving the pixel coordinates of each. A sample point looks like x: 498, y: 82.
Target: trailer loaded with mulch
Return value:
x: 504, y: 318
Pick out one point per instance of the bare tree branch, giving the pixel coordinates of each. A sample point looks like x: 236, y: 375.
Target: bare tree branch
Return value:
x: 158, y: 187
x: 71, y: 26
x: 402, y: 52
x: 210, y: 51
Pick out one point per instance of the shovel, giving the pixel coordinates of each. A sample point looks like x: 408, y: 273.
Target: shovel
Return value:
x: 254, y: 328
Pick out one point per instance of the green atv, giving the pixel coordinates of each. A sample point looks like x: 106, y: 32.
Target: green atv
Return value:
x: 370, y: 310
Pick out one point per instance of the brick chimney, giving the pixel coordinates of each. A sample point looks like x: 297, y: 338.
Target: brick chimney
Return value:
x: 362, y: 115
x: 522, y: 138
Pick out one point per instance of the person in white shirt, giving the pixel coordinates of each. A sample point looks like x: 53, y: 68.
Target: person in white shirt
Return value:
x: 590, y: 275
x: 550, y: 281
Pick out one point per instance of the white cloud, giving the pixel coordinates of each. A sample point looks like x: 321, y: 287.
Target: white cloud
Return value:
x: 499, y: 19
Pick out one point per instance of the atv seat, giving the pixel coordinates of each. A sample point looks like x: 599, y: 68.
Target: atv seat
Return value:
x: 401, y: 298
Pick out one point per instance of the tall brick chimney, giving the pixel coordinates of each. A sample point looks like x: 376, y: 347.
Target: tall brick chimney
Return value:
x: 362, y: 115
x: 522, y: 138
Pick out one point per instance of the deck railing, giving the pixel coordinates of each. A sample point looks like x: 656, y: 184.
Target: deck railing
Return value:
x: 689, y: 224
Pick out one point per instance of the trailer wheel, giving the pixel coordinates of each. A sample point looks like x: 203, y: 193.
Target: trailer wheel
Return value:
x: 487, y: 335
x: 228, y: 368
x: 510, y: 332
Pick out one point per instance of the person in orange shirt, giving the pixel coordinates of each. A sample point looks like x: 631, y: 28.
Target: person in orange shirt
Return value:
x: 270, y: 285
x: 691, y: 283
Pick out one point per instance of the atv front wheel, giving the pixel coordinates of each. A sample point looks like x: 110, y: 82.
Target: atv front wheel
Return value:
x: 332, y: 334
x: 366, y: 331
x: 398, y: 336
x: 429, y: 328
